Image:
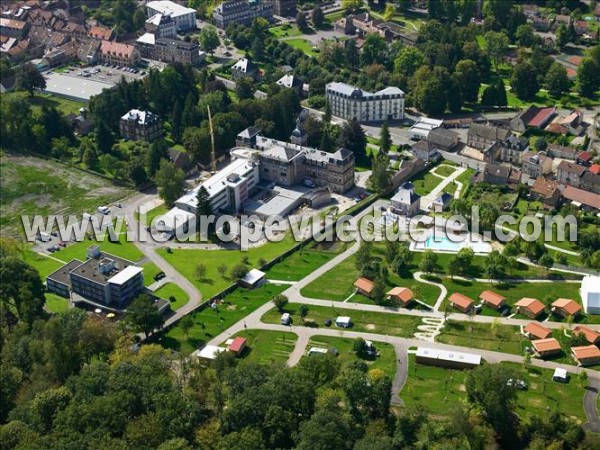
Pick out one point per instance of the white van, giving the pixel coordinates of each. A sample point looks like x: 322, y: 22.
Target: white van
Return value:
x: 44, y: 237
x: 286, y: 319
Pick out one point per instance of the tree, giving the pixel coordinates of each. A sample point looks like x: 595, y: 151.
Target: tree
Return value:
x: 239, y: 271
x: 497, y: 44
x: 326, y: 118
x: 170, y: 181
x: 374, y: 50
x: 380, y: 178
x: 301, y: 21
x: 556, y: 80
x: 104, y: 137
x: 541, y: 144
x: 523, y: 81
x: 525, y: 36
x: 143, y: 316
x: 280, y: 301
x: 353, y: 138
x: 209, y: 39
x: 390, y: 10
x: 90, y: 157
x: 303, y: 311
x: 428, y: 262
x: 378, y: 293
x: 359, y: 347
x: 562, y: 36
x: 200, y: 271
x: 352, y: 55
x: 177, y: 123
x: 258, y: 49
x: 498, y: 10
x: 363, y: 255
x: 317, y: 17
x: 21, y: 291
x: 588, y: 77
x: 385, y: 139
x: 351, y: 5
x: 29, y: 79
x: 467, y: 74
x: 409, y: 59
x: 204, y: 208
x: 187, y: 323
x: 244, y: 88
x: 326, y: 429
x: 546, y: 261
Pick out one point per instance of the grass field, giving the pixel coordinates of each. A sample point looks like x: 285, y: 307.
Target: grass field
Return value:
x: 44, y: 264
x: 185, y: 262
x: 301, y: 44
x: 34, y: 186
x: 441, y: 389
x: 153, y: 213
x: 56, y: 303
x: 36, y: 102
x: 386, y: 361
x: 265, y: 346
x: 285, y: 31
x: 209, y: 322
x: 121, y: 248
x: 495, y: 337
x: 363, y: 321
x: 150, y: 270
x: 444, y: 170
x: 168, y: 290
x: 425, y: 182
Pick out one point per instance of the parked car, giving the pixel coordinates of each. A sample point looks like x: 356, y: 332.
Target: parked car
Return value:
x: 519, y: 384
x: 159, y: 276
x: 53, y: 248
x: 62, y: 244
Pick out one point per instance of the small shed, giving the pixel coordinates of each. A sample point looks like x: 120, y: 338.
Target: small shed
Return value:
x: 237, y: 346
x: 492, y: 299
x: 364, y: 286
x: 209, y: 352
x: 252, y: 279
x: 560, y: 375
x: 343, y: 322
x: 462, y: 302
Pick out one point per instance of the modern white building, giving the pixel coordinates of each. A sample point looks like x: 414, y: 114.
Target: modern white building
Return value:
x: 420, y: 130
x: 350, y: 102
x: 590, y: 294
x: 185, y: 18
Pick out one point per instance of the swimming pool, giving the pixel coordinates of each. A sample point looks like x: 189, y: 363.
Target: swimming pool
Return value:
x: 443, y: 244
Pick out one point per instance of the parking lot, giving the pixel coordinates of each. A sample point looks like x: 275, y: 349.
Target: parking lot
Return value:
x: 107, y: 73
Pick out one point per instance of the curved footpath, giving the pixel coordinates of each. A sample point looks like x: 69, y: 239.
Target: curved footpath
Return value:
x: 590, y: 400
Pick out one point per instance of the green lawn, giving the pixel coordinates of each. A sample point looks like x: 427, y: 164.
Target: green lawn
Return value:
x: 301, y: 263
x: 265, y: 346
x: 444, y: 170
x: 185, y: 261
x: 168, y: 290
x: 44, y: 264
x: 425, y: 182
x: 495, y: 337
x: 363, y: 321
x: 441, y: 389
x: 36, y: 102
x: 150, y: 270
x: 386, y: 361
x: 209, y: 322
x: 301, y: 44
x: 285, y: 31
x: 121, y: 248
x: 56, y: 303
x: 153, y: 213
x: 34, y: 186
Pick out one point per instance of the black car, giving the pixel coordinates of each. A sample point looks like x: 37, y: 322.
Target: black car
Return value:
x: 159, y: 276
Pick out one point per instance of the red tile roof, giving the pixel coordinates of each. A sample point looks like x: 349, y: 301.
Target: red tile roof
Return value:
x: 531, y: 304
x: 590, y: 335
x: 545, y: 188
x: 542, y: 116
x: 585, y: 156
x: 595, y: 169
x: 461, y: 300
x: 116, y: 48
x: 586, y: 352
x: 571, y: 167
x: 546, y: 345
x: 581, y: 196
x: 492, y: 298
x: 402, y: 293
x: 364, y: 284
x: 570, y: 306
x: 238, y: 344
x: 101, y: 33
x: 537, y: 331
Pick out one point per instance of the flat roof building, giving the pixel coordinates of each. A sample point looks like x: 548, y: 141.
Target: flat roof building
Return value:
x: 350, y: 102
x: 448, y: 359
x: 184, y: 17
x: 590, y: 293
x: 422, y: 127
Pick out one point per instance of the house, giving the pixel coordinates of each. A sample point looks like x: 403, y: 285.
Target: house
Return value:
x: 441, y: 202
x: 566, y: 307
x: 541, y: 24
x: 562, y: 19
x: 590, y: 293
x: 592, y: 336
x: 481, y: 136
x: 101, y: 33
x: 181, y: 159
x: 569, y: 173
x: 244, y: 68
x: 581, y: 198
x: 512, y: 149
x: 496, y: 174
x: 530, y: 307
x: 425, y: 150
x: 13, y: 28
x: 536, y: 165
x: 492, y: 299
x: 401, y: 295
x: 557, y: 128
x: 237, y: 345
x: 573, y: 122
x: 448, y: 359
x: 545, y: 190
x: 172, y: 50
x: 546, y: 347
x: 364, y: 286
x: 116, y: 53
x: 137, y: 125
x: 343, y: 322
x: 443, y: 139
x: 584, y: 158
x: 586, y: 355
x: 514, y: 179
x: 581, y: 27
x: 406, y: 201
x: 462, y: 302
x: 534, y: 330
x: 290, y: 81
x: 560, y: 151
x: 590, y: 182
x: 81, y: 125
x: 533, y: 117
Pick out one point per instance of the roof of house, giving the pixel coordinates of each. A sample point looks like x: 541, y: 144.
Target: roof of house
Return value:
x: 406, y: 196
x: 488, y: 132
x: 424, y: 145
x: 581, y: 196
x: 443, y: 137
x: 237, y: 344
x: 555, y: 148
x: 568, y: 305
x: 542, y: 115
x: 364, y: 284
x: 244, y: 65
x: 289, y: 81
x: 595, y: 169
x: 531, y: 304
x: 573, y: 117
x: 592, y: 336
x: 171, y: 8
x: 492, y: 298
x: 461, y: 300
x: 117, y: 48
x: 546, y: 345
x: 142, y: 118
x: 537, y: 331
x: 557, y: 128
x: 402, y: 293
x: 497, y: 170
x: 99, y: 32
x: 443, y: 199
x: 570, y: 167
x: 544, y: 187
x: 586, y: 352
x: 585, y: 156
x: 538, y: 158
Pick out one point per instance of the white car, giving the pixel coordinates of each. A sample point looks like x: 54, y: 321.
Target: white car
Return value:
x: 103, y: 210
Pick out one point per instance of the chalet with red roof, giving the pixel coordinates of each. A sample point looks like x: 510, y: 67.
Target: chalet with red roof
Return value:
x: 592, y: 336
x: 462, y: 302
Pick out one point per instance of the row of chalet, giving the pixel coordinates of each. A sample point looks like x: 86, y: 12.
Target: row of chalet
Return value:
x: 546, y: 346
x: 399, y: 295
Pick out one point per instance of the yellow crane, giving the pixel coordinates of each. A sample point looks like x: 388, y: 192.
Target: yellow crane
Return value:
x: 213, y: 153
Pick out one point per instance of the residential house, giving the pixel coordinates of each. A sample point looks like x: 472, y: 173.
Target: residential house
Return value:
x: 545, y: 190
x: 181, y: 159
x: 364, y: 286
x: 569, y: 173
x: 101, y: 33
x: 88, y: 52
x: 541, y: 24
x: 81, y: 125
x: 536, y: 165
x: 425, y: 150
x: 514, y: 179
x: 496, y: 174
x: 573, y: 122
x: 492, y: 299
x: 561, y: 19
x: 584, y: 158
x: 401, y: 295
x: 557, y: 128
x: 481, y: 136
x: 462, y: 303
x: 562, y: 152
x: 406, y: 201
x: 290, y: 81
x: 566, y: 307
x: 586, y: 355
x: 581, y: 27
x: 530, y: 307
x: 533, y: 117
x: 442, y: 202
x: 244, y: 68
x: 534, y: 330
x: 512, y: 149
x: 581, y: 198
x: 546, y: 347
x: 443, y: 139
x: 592, y: 336
x: 595, y: 169
x: 137, y: 125
x: 590, y: 182
x: 116, y: 53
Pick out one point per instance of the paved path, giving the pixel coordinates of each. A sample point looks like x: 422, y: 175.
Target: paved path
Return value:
x: 589, y: 405
x: 443, y: 291
x: 428, y: 199
x: 401, y: 372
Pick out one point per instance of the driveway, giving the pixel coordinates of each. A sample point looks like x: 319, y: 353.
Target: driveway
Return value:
x: 590, y: 399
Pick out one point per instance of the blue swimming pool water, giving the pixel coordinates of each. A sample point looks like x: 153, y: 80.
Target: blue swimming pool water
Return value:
x: 442, y: 243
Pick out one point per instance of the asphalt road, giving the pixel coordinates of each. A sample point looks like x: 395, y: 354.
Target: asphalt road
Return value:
x: 590, y: 399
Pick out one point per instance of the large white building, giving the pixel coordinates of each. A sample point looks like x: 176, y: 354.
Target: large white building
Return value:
x: 185, y: 18
x: 590, y: 294
x: 349, y: 102
x: 241, y: 12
